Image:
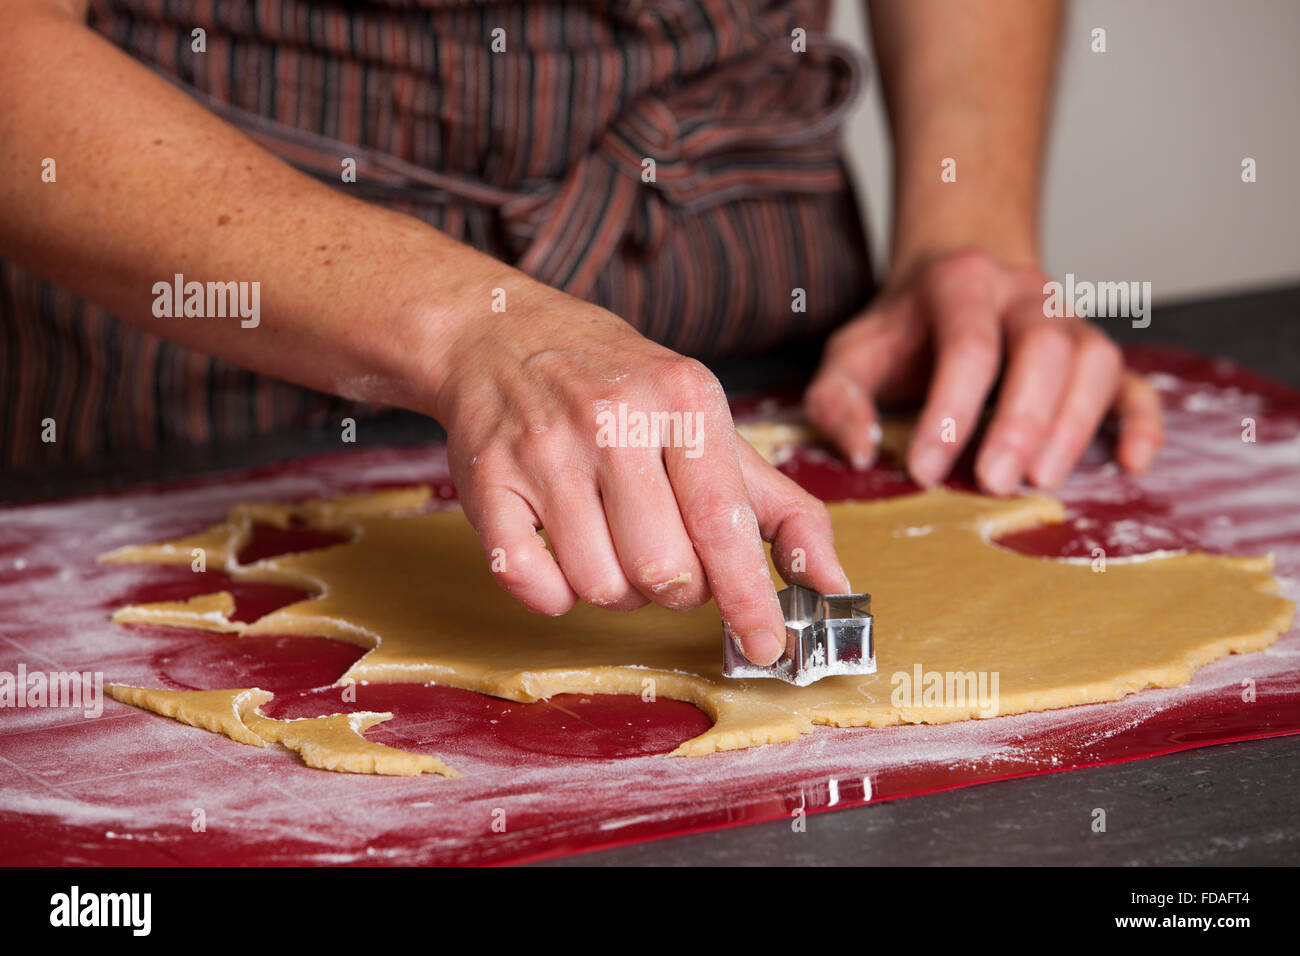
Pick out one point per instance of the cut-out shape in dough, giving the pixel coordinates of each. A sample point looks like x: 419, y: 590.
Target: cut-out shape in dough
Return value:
x: 416, y: 589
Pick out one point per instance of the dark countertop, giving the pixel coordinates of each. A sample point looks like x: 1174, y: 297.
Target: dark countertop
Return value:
x: 1227, y: 804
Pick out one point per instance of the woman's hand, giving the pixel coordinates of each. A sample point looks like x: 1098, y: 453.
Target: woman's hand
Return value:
x: 524, y: 401
x: 956, y: 323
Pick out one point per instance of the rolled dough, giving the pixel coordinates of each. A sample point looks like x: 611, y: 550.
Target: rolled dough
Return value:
x: 414, y: 587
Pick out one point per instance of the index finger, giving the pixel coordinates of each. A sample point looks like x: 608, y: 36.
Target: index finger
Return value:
x: 968, y: 351
x: 720, y: 521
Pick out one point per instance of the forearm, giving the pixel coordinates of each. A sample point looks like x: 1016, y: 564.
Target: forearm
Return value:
x: 967, y: 80
x: 354, y: 299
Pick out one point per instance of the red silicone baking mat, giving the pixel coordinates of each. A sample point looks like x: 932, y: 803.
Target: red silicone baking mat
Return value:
x: 574, y: 773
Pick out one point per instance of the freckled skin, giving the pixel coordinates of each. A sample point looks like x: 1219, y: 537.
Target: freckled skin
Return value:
x: 401, y: 315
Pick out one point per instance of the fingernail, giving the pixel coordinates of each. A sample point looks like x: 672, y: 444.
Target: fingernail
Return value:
x: 1141, y: 454
x: 865, y: 458
x: 1001, y: 472
x: 929, y: 465
x: 841, y: 587
x: 860, y: 456
x: 763, y: 648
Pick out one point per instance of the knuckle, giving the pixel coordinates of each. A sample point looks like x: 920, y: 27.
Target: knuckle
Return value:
x: 742, y: 614
x: 690, y: 381
x: 604, y: 591
x: 481, y: 499
x: 546, y: 361
x: 1104, y: 351
x: 975, y: 348
x: 970, y: 260
x: 816, y: 511
x: 1096, y: 347
x: 1050, y: 339
x: 716, y: 520
x: 810, y: 511
x: 552, y: 453
x: 1020, y: 432
x: 537, y: 443
x: 969, y: 269
x: 522, y: 567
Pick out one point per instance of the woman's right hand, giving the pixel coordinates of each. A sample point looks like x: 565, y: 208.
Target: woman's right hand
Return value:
x: 379, y: 307
x: 523, y: 399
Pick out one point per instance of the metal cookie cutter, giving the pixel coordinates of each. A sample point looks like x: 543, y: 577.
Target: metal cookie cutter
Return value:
x: 825, y: 634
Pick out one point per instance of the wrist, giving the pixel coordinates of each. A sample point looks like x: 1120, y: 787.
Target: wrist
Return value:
x: 992, y: 206
x: 464, y: 300
x: 1012, y: 244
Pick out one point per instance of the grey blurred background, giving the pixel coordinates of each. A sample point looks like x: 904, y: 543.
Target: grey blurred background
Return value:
x: 1144, y: 159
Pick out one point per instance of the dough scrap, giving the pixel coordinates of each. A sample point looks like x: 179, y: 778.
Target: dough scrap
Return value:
x: 205, y: 612
x: 329, y: 743
x: 416, y: 591
x: 222, y: 547
x: 777, y: 440
x: 220, y: 711
x: 336, y: 743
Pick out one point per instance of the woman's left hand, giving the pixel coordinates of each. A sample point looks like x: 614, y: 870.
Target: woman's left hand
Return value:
x: 945, y: 333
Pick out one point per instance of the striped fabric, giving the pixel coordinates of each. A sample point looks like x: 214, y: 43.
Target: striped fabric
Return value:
x: 537, y: 154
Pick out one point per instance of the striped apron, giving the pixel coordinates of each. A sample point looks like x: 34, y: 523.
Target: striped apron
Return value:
x: 674, y: 161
